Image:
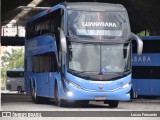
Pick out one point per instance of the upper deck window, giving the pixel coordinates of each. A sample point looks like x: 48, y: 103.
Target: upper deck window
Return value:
x: 104, y: 25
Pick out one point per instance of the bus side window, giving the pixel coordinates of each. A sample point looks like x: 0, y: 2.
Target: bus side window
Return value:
x: 38, y: 29
x: 54, y: 64
x: 44, y: 63
x: 134, y: 46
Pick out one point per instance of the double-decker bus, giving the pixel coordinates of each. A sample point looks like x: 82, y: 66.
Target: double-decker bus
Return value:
x: 15, y: 79
x: 79, y: 52
x: 146, y: 68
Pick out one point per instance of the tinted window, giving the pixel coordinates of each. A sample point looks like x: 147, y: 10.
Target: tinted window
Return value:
x: 15, y: 73
x: 44, y: 63
x: 43, y: 25
x: 150, y: 46
x: 108, y: 25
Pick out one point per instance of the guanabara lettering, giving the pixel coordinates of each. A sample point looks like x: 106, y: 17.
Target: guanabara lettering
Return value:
x: 103, y: 24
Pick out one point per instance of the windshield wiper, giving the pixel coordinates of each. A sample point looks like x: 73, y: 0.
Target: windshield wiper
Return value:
x: 81, y: 38
x: 72, y: 37
x: 79, y: 72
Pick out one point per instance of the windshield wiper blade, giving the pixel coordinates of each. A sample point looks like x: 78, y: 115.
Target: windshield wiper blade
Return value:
x: 73, y: 37
x: 79, y: 72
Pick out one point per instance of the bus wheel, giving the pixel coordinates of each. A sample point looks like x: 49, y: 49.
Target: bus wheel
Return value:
x: 113, y: 103
x: 86, y: 102
x: 34, y: 96
x: 132, y: 95
x: 58, y: 101
x: 19, y: 89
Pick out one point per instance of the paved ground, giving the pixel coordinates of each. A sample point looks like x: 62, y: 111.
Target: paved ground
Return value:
x: 19, y: 102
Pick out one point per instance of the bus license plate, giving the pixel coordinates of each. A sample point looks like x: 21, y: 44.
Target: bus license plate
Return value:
x: 100, y: 98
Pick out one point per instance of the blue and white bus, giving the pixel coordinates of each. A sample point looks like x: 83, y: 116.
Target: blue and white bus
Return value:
x: 79, y: 52
x: 146, y: 68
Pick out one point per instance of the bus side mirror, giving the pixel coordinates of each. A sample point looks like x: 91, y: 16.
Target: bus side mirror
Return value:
x: 139, y: 43
x: 63, y: 41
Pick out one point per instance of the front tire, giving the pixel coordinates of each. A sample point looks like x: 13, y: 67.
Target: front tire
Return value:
x: 113, y: 104
x: 58, y: 101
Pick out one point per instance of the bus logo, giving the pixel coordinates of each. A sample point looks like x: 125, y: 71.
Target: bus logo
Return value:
x: 100, y: 87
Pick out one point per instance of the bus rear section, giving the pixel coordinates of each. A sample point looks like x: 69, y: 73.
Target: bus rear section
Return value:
x: 15, y: 80
x: 146, y: 68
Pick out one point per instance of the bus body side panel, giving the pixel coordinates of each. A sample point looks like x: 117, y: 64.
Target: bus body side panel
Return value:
x: 27, y: 82
x: 154, y: 87
x: 43, y: 81
x: 146, y: 59
x: 146, y: 68
x: 146, y: 87
x: 53, y: 77
x: 34, y: 47
x: 140, y: 86
x: 28, y: 72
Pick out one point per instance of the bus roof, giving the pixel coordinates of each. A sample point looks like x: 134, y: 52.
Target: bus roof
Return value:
x: 16, y: 69
x: 95, y: 6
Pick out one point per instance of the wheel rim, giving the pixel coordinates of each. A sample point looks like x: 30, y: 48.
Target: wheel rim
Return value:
x: 34, y: 94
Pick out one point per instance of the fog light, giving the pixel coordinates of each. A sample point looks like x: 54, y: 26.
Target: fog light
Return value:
x: 69, y: 94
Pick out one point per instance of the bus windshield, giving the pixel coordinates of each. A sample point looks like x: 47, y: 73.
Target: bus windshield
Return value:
x: 101, y: 25
x: 15, y: 74
x: 99, y: 58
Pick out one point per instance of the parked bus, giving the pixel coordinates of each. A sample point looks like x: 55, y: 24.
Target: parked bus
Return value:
x: 146, y: 68
x: 15, y: 80
x: 79, y: 52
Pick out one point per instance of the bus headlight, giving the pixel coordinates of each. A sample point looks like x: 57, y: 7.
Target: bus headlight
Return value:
x: 72, y: 84
x: 126, y: 85
x: 69, y: 93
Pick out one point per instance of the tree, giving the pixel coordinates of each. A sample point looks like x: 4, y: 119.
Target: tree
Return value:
x: 13, y: 59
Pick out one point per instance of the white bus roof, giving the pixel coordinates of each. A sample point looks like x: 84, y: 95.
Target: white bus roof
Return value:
x: 16, y: 69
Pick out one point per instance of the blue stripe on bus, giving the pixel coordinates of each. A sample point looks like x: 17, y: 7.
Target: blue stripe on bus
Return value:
x: 150, y: 38
x: 146, y: 59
